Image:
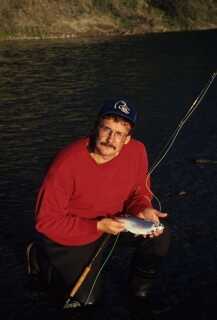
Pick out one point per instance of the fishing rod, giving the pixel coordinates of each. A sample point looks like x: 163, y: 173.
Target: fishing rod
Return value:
x: 70, y: 303
x: 174, y: 135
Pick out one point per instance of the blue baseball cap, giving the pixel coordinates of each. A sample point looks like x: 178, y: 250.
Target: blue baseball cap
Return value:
x: 120, y: 107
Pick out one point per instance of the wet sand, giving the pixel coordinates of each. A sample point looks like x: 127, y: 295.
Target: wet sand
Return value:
x: 187, y: 282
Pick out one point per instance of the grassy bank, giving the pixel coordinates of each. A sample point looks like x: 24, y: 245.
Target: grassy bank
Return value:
x: 71, y: 18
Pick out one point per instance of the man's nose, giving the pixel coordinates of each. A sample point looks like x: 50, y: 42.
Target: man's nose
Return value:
x: 111, y: 136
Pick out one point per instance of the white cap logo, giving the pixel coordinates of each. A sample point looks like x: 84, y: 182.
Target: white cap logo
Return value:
x: 122, y: 106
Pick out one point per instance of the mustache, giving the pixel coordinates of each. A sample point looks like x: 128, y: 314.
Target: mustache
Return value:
x: 106, y: 144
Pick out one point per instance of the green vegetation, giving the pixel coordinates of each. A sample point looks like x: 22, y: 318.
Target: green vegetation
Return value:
x: 73, y: 18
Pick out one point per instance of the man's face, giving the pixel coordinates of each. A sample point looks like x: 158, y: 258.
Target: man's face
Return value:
x: 112, y: 136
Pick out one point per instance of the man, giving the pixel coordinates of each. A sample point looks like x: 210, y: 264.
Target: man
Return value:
x: 90, y: 183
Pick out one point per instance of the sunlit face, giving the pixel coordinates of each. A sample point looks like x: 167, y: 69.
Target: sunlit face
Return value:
x: 112, y: 136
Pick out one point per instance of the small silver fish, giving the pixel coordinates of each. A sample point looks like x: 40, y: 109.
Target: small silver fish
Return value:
x: 139, y: 226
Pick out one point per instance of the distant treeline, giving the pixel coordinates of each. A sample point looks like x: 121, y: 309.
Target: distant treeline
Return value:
x: 73, y: 18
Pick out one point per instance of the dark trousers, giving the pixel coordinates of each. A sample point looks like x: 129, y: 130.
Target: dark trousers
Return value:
x: 69, y: 261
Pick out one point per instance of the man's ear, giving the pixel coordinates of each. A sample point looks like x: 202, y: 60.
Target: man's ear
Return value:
x: 127, y: 139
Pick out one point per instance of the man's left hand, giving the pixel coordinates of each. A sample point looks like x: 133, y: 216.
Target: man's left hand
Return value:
x: 152, y: 214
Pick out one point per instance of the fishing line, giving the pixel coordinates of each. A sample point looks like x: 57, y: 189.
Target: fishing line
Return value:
x: 163, y: 154
x: 174, y: 135
x: 100, y: 270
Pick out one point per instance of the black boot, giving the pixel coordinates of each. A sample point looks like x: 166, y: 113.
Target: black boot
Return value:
x: 146, y: 291
x: 146, y: 266
x: 144, y: 272
x: 142, y: 277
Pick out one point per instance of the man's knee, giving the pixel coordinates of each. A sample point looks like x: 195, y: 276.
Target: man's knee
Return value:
x: 157, y: 246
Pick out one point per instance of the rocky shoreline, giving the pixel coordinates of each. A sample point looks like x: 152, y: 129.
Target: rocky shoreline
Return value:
x: 24, y: 20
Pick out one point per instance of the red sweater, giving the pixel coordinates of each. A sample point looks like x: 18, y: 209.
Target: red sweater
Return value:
x: 77, y: 191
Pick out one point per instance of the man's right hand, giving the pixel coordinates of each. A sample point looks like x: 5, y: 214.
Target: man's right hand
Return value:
x: 109, y: 225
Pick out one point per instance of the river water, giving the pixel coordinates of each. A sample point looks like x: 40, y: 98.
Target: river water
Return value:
x: 50, y: 92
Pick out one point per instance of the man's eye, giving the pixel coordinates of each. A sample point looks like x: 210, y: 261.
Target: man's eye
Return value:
x: 119, y: 134
x: 106, y: 129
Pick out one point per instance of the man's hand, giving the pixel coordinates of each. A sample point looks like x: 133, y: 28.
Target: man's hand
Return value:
x: 152, y: 215
x: 109, y: 225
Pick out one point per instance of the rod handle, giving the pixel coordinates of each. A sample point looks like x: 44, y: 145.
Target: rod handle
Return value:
x: 80, y: 280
